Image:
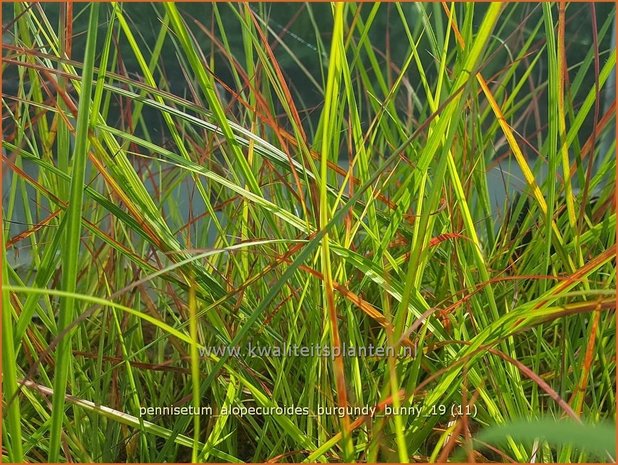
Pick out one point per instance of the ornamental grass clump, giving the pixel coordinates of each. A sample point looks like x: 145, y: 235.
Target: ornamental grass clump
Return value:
x: 308, y: 232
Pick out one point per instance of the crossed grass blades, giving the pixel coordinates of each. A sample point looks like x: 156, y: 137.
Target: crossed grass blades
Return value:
x: 187, y: 176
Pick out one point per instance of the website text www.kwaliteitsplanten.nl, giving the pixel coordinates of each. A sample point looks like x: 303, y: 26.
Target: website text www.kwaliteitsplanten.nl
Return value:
x: 316, y: 350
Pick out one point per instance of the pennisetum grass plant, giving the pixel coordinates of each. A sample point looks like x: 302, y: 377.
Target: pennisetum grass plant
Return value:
x: 181, y: 181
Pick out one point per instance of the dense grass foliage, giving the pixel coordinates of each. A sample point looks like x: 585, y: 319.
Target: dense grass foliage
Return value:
x: 349, y: 186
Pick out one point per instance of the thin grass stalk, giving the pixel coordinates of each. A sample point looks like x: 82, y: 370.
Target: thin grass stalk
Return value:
x: 329, y: 142
x: 562, y: 71
x: 9, y: 368
x: 63, y: 135
x: 195, y: 372
x: 553, y: 133
x: 73, y: 239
